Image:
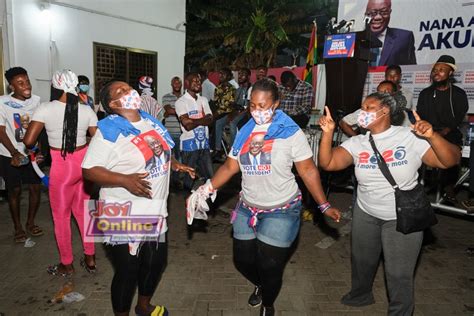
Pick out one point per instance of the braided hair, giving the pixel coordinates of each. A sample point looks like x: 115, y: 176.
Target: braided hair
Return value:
x: 397, y: 104
x: 267, y: 85
x: 71, y: 113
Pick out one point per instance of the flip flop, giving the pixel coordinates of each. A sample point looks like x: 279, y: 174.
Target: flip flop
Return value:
x: 34, y: 230
x: 20, y: 237
x: 54, y: 270
x: 157, y: 311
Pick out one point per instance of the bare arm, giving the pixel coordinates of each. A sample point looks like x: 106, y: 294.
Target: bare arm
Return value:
x: 32, y: 133
x: 331, y: 159
x: 135, y: 183
x: 92, y: 130
x: 190, y: 124
x: 347, y: 129
x: 16, y: 155
x: 225, y: 172
x: 310, y: 175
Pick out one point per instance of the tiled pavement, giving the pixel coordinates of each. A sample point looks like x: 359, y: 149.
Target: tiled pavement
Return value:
x: 200, y: 278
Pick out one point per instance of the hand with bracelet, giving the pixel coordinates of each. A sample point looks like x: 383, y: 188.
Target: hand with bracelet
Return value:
x: 330, y: 211
x: 18, y: 159
x: 179, y: 167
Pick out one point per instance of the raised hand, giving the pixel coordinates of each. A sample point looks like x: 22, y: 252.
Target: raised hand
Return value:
x: 422, y: 128
x: 136, y: 184
x: 326, y: 122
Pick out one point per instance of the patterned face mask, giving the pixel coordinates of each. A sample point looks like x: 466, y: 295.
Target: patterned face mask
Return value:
x: 131, y: 100
x: 366, y: 118
x: 262, y: 117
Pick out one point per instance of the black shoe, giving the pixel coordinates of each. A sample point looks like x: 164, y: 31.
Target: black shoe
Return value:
x: 267, y: 311
x: 360, y: 301
x: 255, y: 299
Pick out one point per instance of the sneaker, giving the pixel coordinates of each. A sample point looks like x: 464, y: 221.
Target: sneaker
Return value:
x: 255, y: 298
x: 267, y: 311
x: 468, y: 205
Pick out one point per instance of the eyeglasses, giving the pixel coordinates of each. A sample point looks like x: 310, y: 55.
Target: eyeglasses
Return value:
x: 383, y: 12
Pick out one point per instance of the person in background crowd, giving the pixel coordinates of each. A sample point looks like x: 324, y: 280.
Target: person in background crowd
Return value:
x: 67, y: 123
x: 398, y: 46
x: 349, y: 125
x: 374, y: 215
x: 445, y: 105
x: 83, y: 89
x: 393, y: 73
x: 297, y: 98
x: 149, y: 103
x: 195, y: 116
x: 172, y: 123
x: 224, y: 97
x: 240, y: 112
x: 266, y: 219
x: 208, y: 88
x: 260, y: 73
x: 272, y: 77
x: 116, y: 160
x: 15, y: 167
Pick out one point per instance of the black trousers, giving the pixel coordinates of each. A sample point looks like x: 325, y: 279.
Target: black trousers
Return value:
x: 144, y: 269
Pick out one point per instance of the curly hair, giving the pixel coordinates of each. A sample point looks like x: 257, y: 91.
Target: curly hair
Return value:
x: 397, y: 104
x: 267, y: 85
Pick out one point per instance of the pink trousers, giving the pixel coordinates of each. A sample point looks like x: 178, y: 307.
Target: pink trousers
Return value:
x: 67, y: 194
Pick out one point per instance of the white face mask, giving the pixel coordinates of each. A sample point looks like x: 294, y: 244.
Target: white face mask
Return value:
x: 131, y: 100
x: 262, y: 116
x: 366, y: 118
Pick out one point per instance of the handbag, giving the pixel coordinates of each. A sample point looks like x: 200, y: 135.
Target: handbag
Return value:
x: 413, y: 209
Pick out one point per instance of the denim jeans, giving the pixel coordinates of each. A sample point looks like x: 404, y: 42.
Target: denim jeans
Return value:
x: 199, y: 160
x: 370, y: 237
x: 177, y: 156
x: 219, y: 129
x: 233, y: 126
x: 278, y: 228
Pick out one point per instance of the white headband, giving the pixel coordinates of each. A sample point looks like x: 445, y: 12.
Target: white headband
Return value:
x: 65, y: 80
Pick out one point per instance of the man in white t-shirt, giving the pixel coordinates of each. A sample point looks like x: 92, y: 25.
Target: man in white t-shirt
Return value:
x: 207, y: 87
x: 16, y: 109
x: 195, y: 116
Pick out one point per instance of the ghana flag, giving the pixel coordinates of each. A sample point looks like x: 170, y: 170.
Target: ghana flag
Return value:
x: 311, y: 58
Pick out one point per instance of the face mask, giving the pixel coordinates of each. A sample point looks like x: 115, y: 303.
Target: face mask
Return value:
x: 366, y: 118
x: 262, y: 117
x: 131, y: 101
x: 84, y: 88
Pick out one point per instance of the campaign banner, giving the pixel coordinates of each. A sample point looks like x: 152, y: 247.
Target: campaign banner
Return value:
x: 417, y: 77
x: 416, y: 31
x: 339, y: 45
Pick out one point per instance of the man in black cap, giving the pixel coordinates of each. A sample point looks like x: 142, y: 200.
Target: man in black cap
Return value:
x: 444, y: 105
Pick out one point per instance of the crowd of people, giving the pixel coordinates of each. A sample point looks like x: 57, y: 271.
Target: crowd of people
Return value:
x: 140, y: 148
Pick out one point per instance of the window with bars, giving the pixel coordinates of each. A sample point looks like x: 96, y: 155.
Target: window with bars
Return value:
x: 122, y: 63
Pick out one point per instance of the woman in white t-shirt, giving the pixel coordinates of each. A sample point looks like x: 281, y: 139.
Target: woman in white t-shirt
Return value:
x: 266, y: 219
x: 374, y: 218
x: 130, y: 158
x: 66, y: 122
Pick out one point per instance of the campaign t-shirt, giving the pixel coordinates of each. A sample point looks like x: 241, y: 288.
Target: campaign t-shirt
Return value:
x: 16, y: 115
x: 52, y: 115
x: 402, y: 151
x: 267, y: 180
x: 146, y: 152
x: 197, y: 138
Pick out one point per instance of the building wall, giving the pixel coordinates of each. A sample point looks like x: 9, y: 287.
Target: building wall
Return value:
x: 64, y: 38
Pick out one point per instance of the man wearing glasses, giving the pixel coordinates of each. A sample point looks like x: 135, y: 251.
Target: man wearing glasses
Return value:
x: 398, y: 45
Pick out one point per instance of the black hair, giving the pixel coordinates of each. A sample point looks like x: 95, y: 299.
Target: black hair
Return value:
x: 82, y: 78
x: 191, y: 74
x: 262, y: 67
x: 394, y: 67
x: 104, y: 96
x: 397, y: 104
x: 394, y: 86
x: 272, y: 77
x: 227, y: 72
x: 245, y: 70
x: 203, y: 73
x: 267, y: 85
x: 287, y: 76
x: 13, y: 72
x: 71, y: 113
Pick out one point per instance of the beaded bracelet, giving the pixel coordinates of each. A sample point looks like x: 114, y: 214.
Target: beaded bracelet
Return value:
x: 324, y: 207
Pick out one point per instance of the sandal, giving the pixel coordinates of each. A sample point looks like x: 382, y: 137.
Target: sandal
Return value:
x: 157, y: 311
x: 54, y: 270
x: 90, y: 269
x: 19, y: 237
x: 34, y: 230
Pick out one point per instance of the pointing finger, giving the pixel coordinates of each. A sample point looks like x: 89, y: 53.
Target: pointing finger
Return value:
x: 328, y: 113
x: 415, y: 114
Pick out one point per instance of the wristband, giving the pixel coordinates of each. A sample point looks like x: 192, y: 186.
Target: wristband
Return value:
x: 324, y: 207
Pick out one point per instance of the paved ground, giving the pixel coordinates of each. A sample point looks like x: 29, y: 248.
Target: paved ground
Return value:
x: 201, y: 280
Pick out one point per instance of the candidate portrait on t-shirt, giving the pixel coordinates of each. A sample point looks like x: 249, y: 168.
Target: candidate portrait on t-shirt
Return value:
x: 160, y: 157
x: 257, y: 154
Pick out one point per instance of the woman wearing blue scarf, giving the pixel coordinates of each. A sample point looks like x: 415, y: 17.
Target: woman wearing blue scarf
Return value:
x: 266, y: 219
x: 130, y: 158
